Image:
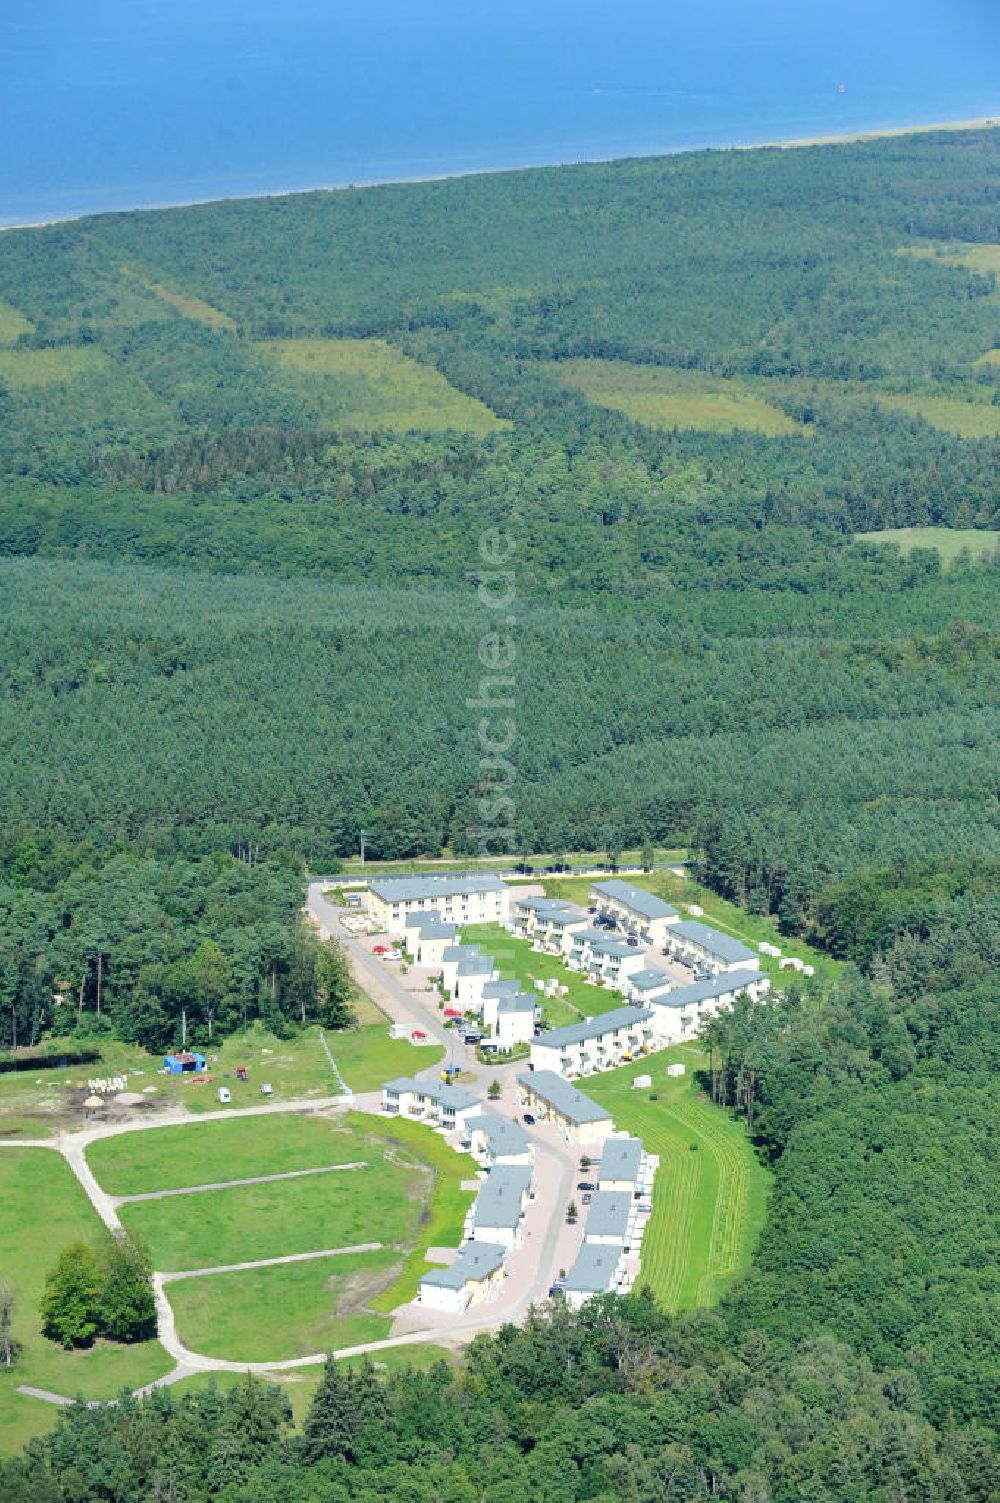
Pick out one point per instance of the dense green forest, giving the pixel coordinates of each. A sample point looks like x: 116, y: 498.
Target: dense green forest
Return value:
x: 242, y: 619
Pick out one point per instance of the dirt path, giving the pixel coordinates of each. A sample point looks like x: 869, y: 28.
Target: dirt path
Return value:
x: 230, y: 1184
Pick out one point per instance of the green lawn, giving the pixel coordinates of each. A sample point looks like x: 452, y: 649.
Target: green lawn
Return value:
x: 949, y: 541
x: 710, y: 1194
x: 662, y: 397
x: 751, y: 928
x: 44, y: 1210
x: 289, y: 1310
x: 516, y: 960
x: 379, y: 1203
x: 201, y: 1153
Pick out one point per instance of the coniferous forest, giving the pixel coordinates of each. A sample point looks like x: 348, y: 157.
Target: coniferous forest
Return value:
x: 248, y: 455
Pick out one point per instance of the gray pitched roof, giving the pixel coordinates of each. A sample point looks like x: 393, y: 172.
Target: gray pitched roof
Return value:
x: 477, y: 1260
x: 519, y: 1002
x: 620, y: 1158
x: 460, y: 952
x: 594, y: 1270
x: 430, y: 923
x: 650, y: 980
x: 712, y: 941
x: 609, y: 1214
x: 476, y: 965
x: 501, y: 988
x: 436, y: 1090
x: 703, y: 991
x: 607, y: 946
x: 563, y: 1097
x: 637, y: 898
x: 503, y: 1135
x: 499, y: 1201
x: 412, y: 889
x: 594, y: 1028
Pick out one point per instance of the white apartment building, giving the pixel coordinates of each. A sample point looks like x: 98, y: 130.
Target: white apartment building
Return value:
x: 645, y: 915
x: 446, y: 1107
x: 426, y: 937
x: 498, y: 1140
x: 475, y: 1276
x: 509, y: 1017
x: 552, y: 1098
x: 679, y: 1014
x: 472, y: 898
x: 598, y: 1270
x: 600, y: 1043
x: 693, y: 940
x: 500, y: 1205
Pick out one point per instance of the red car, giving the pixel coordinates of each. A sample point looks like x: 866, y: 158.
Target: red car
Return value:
x: 416, y: 1035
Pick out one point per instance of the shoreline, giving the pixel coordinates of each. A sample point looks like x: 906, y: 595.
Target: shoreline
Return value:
x: 877, y: 133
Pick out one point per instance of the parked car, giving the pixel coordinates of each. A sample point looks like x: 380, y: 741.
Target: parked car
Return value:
x: 585, y: 1184
x: 587, y: 1198
x: 470, y: 1036
x: 528, y: 1120
x: 556, y: 1291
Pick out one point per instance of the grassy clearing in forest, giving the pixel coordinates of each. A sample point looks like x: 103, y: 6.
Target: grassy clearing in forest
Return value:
x: 367, y: 384
x: 975, y: 418
x: 950, y: 542
x: 191, y: 307
x: 44, y: 1211
x: 980, y: 256
x: 662, y: 397
x: 710, y: 1193
x: 47, y: 367
x: 12, y: 323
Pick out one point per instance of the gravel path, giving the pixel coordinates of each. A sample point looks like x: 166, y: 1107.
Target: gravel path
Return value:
x: 295, y: 1257
x: 229, y: 1184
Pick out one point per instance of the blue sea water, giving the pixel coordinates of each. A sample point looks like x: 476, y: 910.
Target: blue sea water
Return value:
x: 109, y: 104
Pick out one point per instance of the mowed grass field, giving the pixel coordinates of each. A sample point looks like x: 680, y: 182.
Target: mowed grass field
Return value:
x: 517, y: 961
x: 286, y: 1310
x: 12, y: 323
x: 43, y: 1210
x: 191, y: 307
x: 201, y: 1153
x: 381, y: 1202
x: 950, y: 542
x: 50, y: 366
x: 368, y: 384
x: 710, y: 1193
x: 662, y: 397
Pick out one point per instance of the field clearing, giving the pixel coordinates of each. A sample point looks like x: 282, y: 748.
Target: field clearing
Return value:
x: 751, y: 928
x: 380, y: 1203
x: 662, y: 397
x: 170, y: 1158
x: 443, y: 865
x: 36, y: 1102
x: 991, y: 357
x: 976, y: 418
x: 191, y: 307
x: 12, y: 323
x: 50, y: 366
x: 368, y: 384
x: 44, y: 1211
x: 950, y: 542
x: 710, y: 1195
x: 289, y: 1310
x: 980, y: 256
x: 517, y: 961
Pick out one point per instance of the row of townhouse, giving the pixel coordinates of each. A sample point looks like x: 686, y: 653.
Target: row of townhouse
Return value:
x: 471, y: 898
x: 447, y: 1107
x: 641, y: 912
x: 493, y: 1227
x: 616, y: 1219
x: 546, y: 922
x: 550, y: 1097
x: 601, y: 1043
x: 680, y: 1011
x: 426, y: 936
